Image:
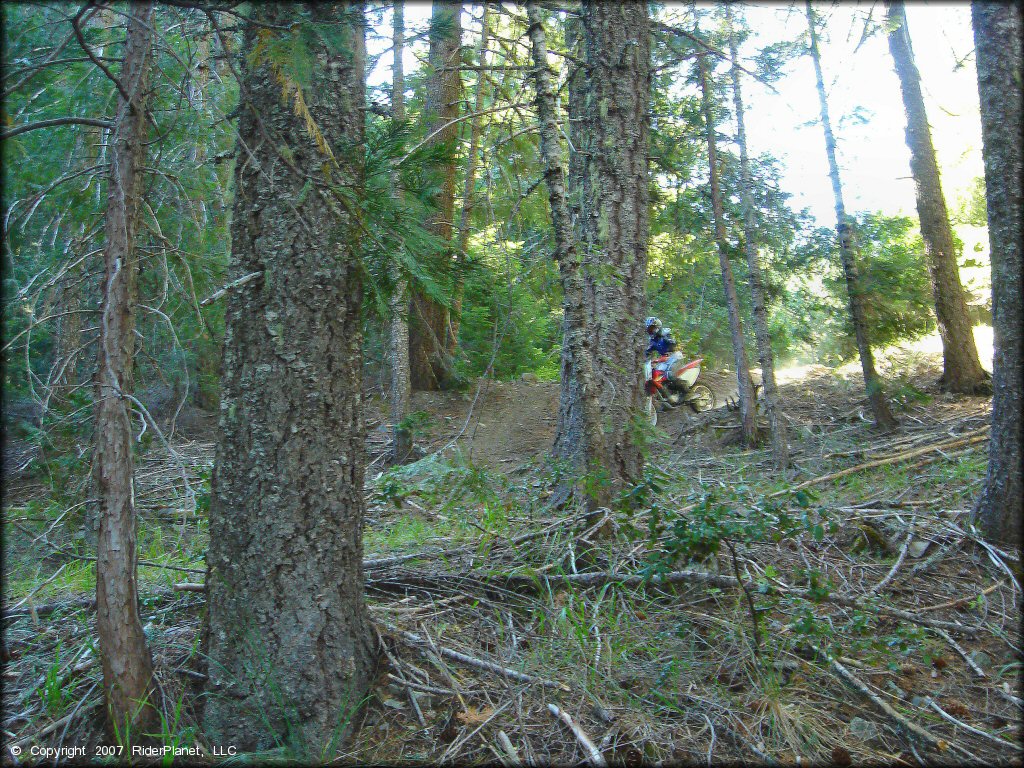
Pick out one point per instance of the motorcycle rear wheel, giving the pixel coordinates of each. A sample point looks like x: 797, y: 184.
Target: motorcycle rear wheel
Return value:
x: 701, y: 398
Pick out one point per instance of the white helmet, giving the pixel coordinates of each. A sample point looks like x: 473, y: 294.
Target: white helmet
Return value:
x: 652, y: 322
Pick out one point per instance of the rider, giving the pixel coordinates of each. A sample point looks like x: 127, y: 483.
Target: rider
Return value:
x: 660, y: 339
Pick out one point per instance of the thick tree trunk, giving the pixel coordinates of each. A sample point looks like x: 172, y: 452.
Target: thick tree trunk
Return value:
x: 289, y: 643
x: 847, y: 250
x: 458, y: 288
x: 577, y: 353
x: 962, y: 371
x: 428, y: 327
x: 748, y: 405
x: 997, y: 39
x: 613, y: 201
x: 399, y: 304
x: 127, y: 664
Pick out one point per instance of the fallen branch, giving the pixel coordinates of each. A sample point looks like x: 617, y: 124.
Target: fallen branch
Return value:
x: 895, y: 459
x: 977, y: 731
x: 963, y: 654
x: 85, y: 603
x: 599, y: 579
x: 384, y: 562
x: 940, y: 745
x: 401, y: 677
x: 54, y: 725
x: 895, y: 566
x: 38, y: 587
x: 961, y: 601
x: 594, y: 755
x: 490, y: 666
x: 422, y: 687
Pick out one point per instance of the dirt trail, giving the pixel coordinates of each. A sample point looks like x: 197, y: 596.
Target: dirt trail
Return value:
x: 501, y: 424
x: 510, y: 422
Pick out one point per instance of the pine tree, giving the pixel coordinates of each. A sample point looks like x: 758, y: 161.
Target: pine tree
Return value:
x: 288, y: 640
x: 577, y: 350
x: 398, y: 351
x: 127, y: 664
x: 429, y: 320
x: 961, y: 371
x: 608, y: 183
x: 847, y: 248
x: 748, y: 405
x: 469, y: 182
x: 772, y: 405
x: 997, y: 39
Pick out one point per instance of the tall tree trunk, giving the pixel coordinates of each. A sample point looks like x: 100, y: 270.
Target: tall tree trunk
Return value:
x: 569, y: 435
x: 748, y: 405
x: 772, y: 405
x: 104, y: 20
x: 613, y: 201
x: 577, y: 354
x: 127, y: 664
x: 847, y: 250
x: 197, y: 97
x: 288, y: 640
x: 399, y: 304
x: 428, y: 328
x: 452, y: 337
x: 997, y: 39
x: 961, y: 371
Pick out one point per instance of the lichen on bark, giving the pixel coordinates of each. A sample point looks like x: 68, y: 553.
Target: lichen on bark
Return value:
x: 288, y: 636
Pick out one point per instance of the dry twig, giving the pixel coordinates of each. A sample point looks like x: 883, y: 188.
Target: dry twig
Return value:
x: 594, y: 755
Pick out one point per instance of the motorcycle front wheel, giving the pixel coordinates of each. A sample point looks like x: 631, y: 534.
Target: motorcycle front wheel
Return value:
x: 651, y: 412
x: 701, y: 398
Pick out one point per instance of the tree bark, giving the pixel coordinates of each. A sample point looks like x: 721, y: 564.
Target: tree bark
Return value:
x: 452, y: 336
x: 569, y: 435
x: 748, y: 405
x: 428, y: 327
x: 288, y: 639
x: 771, y: 398
x: 399, y: 304
x: 847, y: 250
x: 611, y: 178
x: 962, y: 371
x: 577, y: 354
x: 127, y: 664
x: 997, y: 40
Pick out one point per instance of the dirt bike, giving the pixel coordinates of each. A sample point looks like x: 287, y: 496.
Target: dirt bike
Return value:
x: 668, y: 380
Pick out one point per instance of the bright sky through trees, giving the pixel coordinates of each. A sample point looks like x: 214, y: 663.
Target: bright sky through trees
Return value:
x: 863, y: 90
x: 873, y: 154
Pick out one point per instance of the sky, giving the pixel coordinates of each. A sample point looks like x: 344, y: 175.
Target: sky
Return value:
x: 873, y: 156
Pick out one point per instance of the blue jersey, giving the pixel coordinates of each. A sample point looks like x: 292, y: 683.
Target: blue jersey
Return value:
x: 661, y: 343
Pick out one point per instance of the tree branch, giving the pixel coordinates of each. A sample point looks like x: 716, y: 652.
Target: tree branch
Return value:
x: 95, y: 59
x: 10, y: 134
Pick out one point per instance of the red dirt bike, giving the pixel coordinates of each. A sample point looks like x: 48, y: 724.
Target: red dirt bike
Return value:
x: 670, y: 381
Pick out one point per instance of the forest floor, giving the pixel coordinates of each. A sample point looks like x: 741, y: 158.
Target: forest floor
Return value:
x: 842, y: 612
